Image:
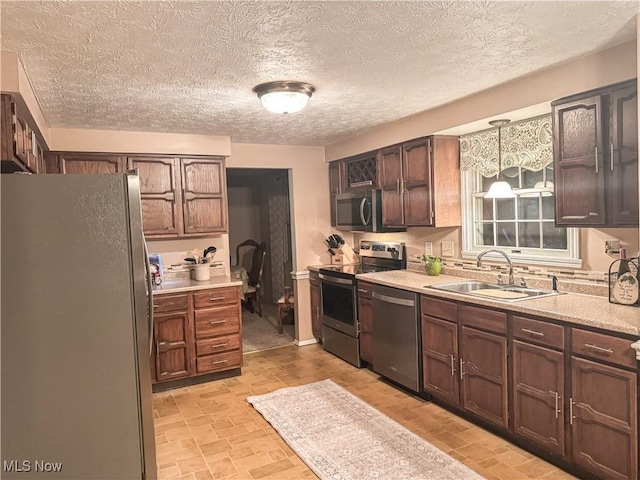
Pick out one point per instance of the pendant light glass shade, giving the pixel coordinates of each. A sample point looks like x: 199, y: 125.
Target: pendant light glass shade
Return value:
x: 284, y: 96
x: 500, y: 188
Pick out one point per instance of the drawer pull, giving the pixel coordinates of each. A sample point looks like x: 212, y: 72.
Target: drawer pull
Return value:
x: 220, y: 345
x: 219, y: 362
x: 216, y: 299
x: 216, y: 322
x: 181, y: 372
x: 156, y: 306
x: 533, y: 332
x: 598, y: 349
x: 363, y: 290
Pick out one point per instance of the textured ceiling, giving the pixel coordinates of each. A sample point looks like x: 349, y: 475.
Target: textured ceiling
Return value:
x: 178, y: 66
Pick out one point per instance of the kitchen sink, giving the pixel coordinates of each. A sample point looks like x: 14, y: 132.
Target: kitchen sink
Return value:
x: 497, y: 292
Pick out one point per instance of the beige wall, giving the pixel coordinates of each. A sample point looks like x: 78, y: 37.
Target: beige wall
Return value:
x: 603, y: 68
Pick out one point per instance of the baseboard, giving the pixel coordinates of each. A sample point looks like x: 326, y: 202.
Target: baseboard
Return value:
x: 303, y: 343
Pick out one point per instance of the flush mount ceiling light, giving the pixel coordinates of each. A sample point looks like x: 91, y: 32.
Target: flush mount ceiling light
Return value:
x: 500, y: 188
x: 284, y: 96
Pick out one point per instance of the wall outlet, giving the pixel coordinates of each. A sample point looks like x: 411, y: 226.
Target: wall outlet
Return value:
x: 428, y: 248
x: 447, y: 249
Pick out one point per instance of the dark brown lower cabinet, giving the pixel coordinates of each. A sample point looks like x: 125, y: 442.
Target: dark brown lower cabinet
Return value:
x: 483, y: 369
x: 365, y: 316
x: 538, y: 396
x: 604, y: 410
x: 440, y: 358
x: 171, y: 346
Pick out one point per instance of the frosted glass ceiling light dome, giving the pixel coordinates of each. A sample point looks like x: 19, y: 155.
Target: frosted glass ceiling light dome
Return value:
x: 284, y: 96
x: 500, y: 188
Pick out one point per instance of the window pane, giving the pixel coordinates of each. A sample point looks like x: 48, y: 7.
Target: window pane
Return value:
x: 553, y: 237
x: 484, y: 208
x: 513, y: 181
x: 548, y: 208
x: 549, y: 173
x: 529, y: 208
x: 486, y: 182
x: 530, y: 178
x: 529, y: 234
x: 484, y: 234
x: 506, y: 233
x: 505, y: 209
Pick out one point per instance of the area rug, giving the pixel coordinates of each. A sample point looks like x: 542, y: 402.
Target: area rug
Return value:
x: 340, y: 437
x: 261, y: 333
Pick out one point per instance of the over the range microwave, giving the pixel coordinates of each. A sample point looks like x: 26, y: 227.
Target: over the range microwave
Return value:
x: 361, y: 212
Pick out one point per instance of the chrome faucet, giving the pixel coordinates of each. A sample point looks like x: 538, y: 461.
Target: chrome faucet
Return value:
x: 479, y: 263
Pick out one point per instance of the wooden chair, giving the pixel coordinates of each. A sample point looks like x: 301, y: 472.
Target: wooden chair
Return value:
x: 254, y: 271
x: 285, y: 302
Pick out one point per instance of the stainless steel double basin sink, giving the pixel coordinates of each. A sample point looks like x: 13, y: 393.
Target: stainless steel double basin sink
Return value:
x: 504, y: 293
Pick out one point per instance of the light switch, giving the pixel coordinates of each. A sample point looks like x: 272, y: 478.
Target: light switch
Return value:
x: 446, y: 249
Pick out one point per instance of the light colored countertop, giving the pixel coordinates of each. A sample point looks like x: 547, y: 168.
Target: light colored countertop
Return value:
x: 575, y: 308
x: 185, y: 285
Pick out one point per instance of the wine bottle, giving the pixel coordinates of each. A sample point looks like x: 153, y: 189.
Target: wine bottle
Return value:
x: 625, y: 287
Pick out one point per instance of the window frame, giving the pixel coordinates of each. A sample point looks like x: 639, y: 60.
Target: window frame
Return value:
x: 470, y: 185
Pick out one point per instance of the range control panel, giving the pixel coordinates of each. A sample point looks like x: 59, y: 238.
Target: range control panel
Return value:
x: 393, y: 250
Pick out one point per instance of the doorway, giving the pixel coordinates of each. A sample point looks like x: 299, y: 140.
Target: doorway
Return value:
x: 259, y: 209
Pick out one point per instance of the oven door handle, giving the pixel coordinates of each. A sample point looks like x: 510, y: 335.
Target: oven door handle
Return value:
x: 335, y: 281
x: 394, y: 300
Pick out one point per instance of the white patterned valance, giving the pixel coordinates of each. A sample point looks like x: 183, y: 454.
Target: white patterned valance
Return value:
x: 525, y: 144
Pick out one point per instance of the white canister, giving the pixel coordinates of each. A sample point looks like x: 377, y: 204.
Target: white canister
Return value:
x: 202, y: 270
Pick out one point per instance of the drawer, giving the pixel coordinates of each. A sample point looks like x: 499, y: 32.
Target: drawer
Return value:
x: 435, y: 307
x: 170, y: 303
x: 215, y: 297
x: 217, y: 344
x: 217, y: 321
x: 483, y: 318
x: 537, y: 331
x: 221, y: 361
x: 364, y: 289
x: 599, y: 346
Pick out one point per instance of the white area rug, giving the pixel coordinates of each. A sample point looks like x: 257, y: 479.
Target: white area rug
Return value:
x: 340, y: 437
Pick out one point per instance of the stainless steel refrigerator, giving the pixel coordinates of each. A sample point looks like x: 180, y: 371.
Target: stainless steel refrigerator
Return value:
x: 75, y: 329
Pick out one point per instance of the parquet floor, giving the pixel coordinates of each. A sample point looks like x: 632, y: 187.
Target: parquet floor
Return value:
x: 209, y: 431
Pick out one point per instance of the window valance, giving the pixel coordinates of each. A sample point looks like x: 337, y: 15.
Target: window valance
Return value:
x: 526, y: 143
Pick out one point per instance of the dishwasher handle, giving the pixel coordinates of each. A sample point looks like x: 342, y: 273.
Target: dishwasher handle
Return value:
x: 396, y: 301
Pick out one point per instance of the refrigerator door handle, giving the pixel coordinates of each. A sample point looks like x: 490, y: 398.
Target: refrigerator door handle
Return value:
x: 147, y: 266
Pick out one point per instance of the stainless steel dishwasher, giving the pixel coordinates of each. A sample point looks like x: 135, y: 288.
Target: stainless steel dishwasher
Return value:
x: 396, y: 336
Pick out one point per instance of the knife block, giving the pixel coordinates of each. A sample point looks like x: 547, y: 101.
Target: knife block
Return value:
x: 337, y: 259
x: 347, y: 254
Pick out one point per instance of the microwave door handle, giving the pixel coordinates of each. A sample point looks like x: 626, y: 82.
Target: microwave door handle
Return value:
x: 365, y: 221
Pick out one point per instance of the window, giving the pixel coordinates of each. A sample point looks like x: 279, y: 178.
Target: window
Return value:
x: 523, y: 227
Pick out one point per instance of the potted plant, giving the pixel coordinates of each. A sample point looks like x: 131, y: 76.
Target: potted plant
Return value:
x: 432, y: 265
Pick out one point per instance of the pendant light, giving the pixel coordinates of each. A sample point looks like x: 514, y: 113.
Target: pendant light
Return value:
x: 284, y: 96
x: 500, y: 188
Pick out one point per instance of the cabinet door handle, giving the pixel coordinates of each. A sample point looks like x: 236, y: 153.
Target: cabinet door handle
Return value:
x: 611, y: 156
x: 220, y: 345
x: 461, y: 369
x: 398, y: 185
x: 598, y: 349
x: 218, y: 362
x: 533, y: 332
x: 158, y: 349
x: 216, y: 322
x: 216, y: 299
x: 557, y: 399
x: 318, y: 313
x: 453, y: 366
x: 596, y: 149
x: 571, y: 417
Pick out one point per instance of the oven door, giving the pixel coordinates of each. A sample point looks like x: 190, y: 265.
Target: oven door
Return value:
x: 339, y: 305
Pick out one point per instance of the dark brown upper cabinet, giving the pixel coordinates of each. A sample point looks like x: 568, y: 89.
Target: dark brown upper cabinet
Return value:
x: 595, y: 151
x: 204, y: 196
x: 20, y: 149
x: 361, y: 172
x: 91, y: 163
x: 420, y: 182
